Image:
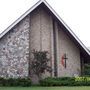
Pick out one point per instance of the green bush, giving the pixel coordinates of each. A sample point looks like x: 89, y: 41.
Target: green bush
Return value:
x: 87, y: 69
x: 65, y: 81
x: 62, y: 81
x: 15, y: 82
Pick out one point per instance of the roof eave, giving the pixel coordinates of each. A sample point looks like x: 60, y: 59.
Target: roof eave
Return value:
x: 55, y: 14
x: 66, y: 26
x: 20, y: 18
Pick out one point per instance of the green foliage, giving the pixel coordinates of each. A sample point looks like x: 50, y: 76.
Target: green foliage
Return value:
x: 64, y: 81
x: 40, y: 63
x: 15, y: 82
x: 87, y: 69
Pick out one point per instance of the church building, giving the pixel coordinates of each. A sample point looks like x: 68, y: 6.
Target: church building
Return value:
x: 40, y: 28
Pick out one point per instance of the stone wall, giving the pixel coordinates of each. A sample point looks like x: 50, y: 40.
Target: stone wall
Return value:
x: 14, y: 51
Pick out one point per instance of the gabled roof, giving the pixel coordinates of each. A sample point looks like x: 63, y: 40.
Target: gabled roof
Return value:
x: 55, y: 14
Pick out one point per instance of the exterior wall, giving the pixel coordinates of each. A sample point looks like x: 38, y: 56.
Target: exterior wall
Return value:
x: 73, y: 54
x: 36, y: 33
x: 41, y: 37
x: 14, y: 51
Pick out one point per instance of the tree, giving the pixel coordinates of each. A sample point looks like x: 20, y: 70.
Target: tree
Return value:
x: 40, y: 63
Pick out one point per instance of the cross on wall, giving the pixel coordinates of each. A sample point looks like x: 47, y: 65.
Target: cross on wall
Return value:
x: 64, y: 60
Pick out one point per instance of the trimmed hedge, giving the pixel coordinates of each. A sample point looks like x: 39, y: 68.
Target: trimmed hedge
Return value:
x: 15, y: 82
x: 62, y: 81
x: 66, y: 81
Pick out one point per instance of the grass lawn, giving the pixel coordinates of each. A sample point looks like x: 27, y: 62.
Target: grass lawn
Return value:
x: 45, y: 88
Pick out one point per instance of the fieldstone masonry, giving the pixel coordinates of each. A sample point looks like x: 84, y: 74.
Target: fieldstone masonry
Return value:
x: 14, y: 51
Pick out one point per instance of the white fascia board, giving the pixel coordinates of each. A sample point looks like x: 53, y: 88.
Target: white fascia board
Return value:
x: 20, y: 18
x: 53, y: 11
x: 66, y: 26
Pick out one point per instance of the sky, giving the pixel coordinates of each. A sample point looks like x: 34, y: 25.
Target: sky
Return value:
x: 75, y: 13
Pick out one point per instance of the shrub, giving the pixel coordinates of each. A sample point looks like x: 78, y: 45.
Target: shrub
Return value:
x: 87, y: 69
x: 15, y: 82
x: 24, y: 82
x: 65, y: 81
x: 40, y: 63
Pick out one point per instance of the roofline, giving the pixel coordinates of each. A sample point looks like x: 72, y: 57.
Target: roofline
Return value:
x: 20, y: 18
x: 67, y: 27
x: 57, y: 16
